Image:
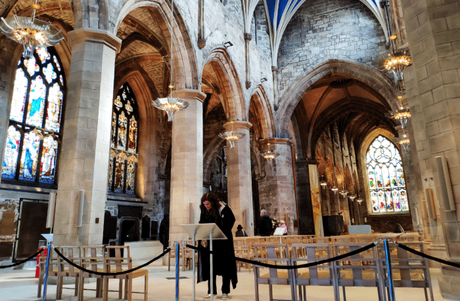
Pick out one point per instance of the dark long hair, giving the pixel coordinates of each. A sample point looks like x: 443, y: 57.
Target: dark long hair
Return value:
x: 214, y: 199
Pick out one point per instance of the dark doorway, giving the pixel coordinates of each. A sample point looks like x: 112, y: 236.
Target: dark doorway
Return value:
x: 110, y: 228
x: 32, y: 223
x: 146, y: 227
x: 129, y: 231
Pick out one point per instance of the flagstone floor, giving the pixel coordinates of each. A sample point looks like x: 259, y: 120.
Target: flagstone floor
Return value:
x: 21, y: 285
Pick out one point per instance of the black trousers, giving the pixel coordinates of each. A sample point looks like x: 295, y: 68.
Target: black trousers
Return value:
x: 225, y: 285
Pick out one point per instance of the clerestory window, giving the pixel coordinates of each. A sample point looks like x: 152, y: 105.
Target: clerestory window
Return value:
x: 386, y: 177
x: 35, y: 125
x: 124, y: 143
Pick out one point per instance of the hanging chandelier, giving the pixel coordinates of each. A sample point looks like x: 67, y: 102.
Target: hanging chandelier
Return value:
x: 269, y: 155
x: 402, y: 115
x: 334, y: 189
x: 344, y: 193
x: 30, y: 32
x: 404, y: 141
x: 170, y: 104
x: 231, y: 136
x: 396, y: 62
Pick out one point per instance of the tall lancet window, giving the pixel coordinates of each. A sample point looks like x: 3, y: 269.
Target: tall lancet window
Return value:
x: 124, y: 143
x: 35, y: 126
x: 386, y: 177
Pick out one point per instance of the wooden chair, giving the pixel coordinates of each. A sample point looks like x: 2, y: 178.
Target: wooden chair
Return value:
x: 408, y: 270
x: 118, y: 259
x: 187, y: 256
x: 92, y: 258
x: 316, y: 275
x: 273, y: 254
x: 242, y: 251
x: 361, y: 269
x: 66, y: 270
x: 182, y: 259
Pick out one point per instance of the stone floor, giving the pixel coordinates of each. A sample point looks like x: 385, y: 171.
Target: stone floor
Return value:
x: 21, y: 285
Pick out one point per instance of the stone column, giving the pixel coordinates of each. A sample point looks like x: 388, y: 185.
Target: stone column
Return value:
x: 86, y: 142
x: 433, y: 90
x: 239, y: 176
x: 247, y: 39
x: 186, y: 164
x: 304, y: 204
x: 281, y: 200
x: 315, y: 190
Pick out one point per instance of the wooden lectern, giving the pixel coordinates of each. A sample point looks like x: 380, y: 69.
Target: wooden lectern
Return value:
x: 203, y: 232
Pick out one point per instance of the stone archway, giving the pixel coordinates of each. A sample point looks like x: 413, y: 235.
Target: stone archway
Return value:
x: 263, y: 114
x: 230, y: 88
x: 184, y: 57
x: 370, y: 77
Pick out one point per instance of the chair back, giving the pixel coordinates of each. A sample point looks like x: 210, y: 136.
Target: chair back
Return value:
x: 117, y: 259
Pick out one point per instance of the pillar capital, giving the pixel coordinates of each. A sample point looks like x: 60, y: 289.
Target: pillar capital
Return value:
x: 276, y: 141
x: 92, y: 35
x: 236, y: 125
x: 189, y: 94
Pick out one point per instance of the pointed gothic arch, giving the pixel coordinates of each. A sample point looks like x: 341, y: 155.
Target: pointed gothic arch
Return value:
x: 184, y: 56
x: 293, y: 95
x: 231, y: 88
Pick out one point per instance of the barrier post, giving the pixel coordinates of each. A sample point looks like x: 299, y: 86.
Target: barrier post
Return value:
x: 46, y: 271
x: 391, y: 288
x: 177, y: 270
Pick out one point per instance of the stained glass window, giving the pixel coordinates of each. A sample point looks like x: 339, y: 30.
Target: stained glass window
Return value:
x: 124, y: 143
x: 34, y: 132
x: 386, y: 177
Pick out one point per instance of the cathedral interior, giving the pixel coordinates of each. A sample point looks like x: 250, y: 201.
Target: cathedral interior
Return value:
x: 331, y: 134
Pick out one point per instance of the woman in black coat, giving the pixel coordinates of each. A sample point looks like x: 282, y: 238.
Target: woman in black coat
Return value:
x: 213, y: 210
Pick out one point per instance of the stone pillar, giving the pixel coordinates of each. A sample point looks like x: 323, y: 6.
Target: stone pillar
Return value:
x: 239, y: 176
x: 315, y: 189
x: 304, y: 204
x: 433, y: 90
x: 281, y: 200
x: 186, y: 164
x: 85, y: 150
x: 247, y: 39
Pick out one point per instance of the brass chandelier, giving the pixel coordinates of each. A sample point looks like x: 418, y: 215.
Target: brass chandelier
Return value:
x: 31, y: 32
x: 269, y: 155
x: 170, y: 104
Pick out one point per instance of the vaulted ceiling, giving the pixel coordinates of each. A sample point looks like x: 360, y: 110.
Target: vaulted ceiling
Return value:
x: 354, y: 106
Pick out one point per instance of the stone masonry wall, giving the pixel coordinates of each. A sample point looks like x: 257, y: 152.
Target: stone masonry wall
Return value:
x: 322, y: 30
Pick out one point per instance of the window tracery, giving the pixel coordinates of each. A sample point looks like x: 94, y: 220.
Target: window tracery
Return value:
x: 35, y: 127
x: 124, y: 143
x: 386, y: 177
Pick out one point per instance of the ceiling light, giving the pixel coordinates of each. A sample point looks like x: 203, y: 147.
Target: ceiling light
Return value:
x: 30, y: 32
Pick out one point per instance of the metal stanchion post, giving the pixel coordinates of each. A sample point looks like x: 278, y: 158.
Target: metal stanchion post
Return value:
x: 390, y: 273
x: 211, y: 272
x: 193, y: 268
x: 177, y: 270
x: 46, y: 271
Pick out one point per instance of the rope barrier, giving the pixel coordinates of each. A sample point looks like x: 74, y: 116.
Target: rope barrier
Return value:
x: 453, y: 264
x: 292, y: 267
x: 111, y: 274
x: 22, y: 261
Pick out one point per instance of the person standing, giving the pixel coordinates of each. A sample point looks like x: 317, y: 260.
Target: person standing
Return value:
x: 214, y: 210
x: 240, y: 232
x: 265, y: 224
